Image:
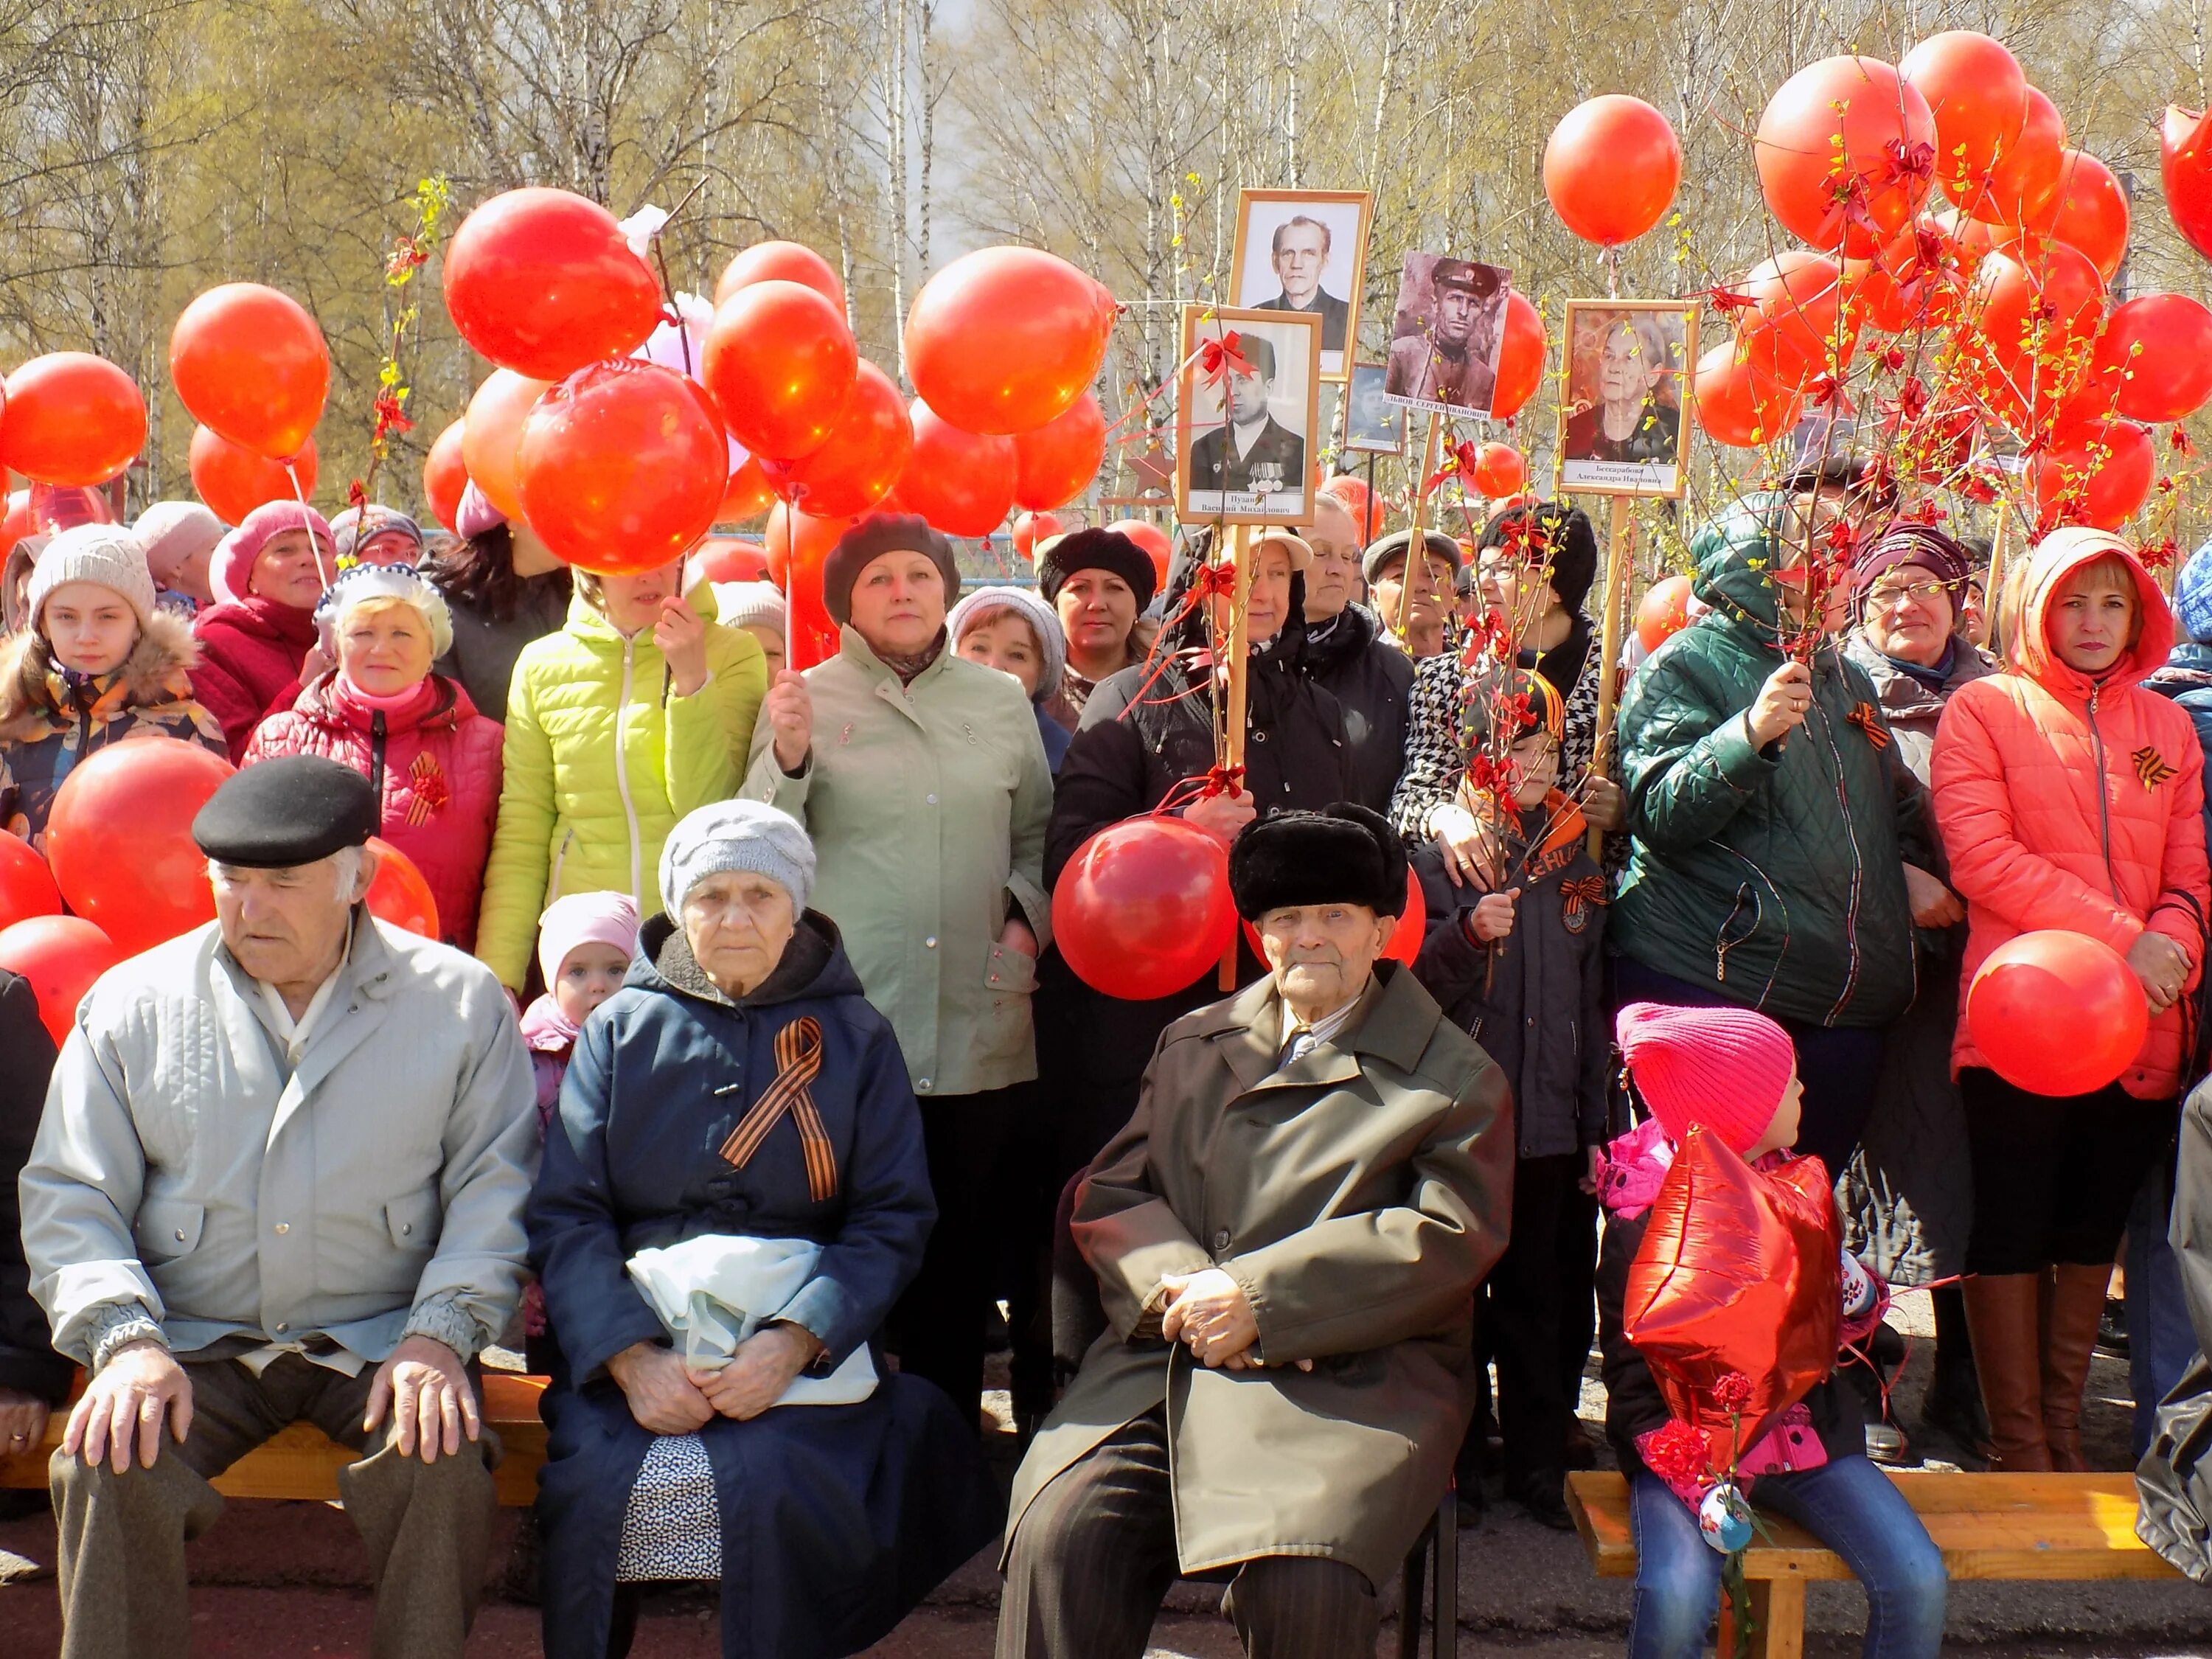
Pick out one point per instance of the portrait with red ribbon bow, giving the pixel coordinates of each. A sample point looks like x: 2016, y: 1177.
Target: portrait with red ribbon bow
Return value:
x: 1247, y: 394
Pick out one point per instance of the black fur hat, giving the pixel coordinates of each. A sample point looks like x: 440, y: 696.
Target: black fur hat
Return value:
x: 1346, y: 855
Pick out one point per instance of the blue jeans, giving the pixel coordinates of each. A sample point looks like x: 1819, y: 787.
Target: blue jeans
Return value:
x: 1849, y: 1505
x: 2161, y: 1342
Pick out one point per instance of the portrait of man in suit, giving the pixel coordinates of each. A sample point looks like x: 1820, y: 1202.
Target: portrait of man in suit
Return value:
x: 1305, y: 253
x: 1298, y: 252
x: 1250, y: 412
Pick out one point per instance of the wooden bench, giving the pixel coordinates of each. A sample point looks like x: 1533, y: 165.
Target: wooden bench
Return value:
x: 301, y: 1462
x: 2003, y: 1526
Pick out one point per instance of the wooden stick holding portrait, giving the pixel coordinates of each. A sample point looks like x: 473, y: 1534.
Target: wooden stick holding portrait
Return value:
x: 1236, y: 550
x: 1620, y: 562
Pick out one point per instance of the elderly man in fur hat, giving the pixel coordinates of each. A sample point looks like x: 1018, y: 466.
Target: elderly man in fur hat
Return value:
x: 1287, y: 1238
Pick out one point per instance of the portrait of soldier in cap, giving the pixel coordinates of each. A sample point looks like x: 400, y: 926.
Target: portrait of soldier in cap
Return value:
x: 1449, y: 331
x: 1251, y: 408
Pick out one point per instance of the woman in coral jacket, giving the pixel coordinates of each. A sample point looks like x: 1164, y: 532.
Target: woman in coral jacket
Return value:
x: 414, y: 734
x: 2069, y: 796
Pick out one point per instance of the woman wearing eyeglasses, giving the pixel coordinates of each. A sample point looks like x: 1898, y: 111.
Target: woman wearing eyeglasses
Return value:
x: 1908, y: 1196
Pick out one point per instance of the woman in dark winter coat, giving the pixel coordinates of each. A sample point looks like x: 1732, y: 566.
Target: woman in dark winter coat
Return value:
x: 34, y: 1378
x: 737, y: 1139
x: 504, y: 589
x: 1148, y: 730
x: 1347, y: 657
x: 257, y: 640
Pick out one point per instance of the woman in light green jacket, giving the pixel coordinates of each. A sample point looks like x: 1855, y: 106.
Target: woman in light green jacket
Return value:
x: 924, y: 784
x: 638, y: 710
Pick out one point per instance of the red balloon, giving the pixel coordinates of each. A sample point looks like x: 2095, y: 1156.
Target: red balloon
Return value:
x: 2154, y: 360
x: 1520, y: 356
x: 1034, y: 527
x: 19, y: 521
x: 1153, y: 539
x: 748, y: 495
x: 2056, y: 1012
x: 1798, y: 306
x: 1006, y: 338
x: 2184, y: 147
x: 1058, y: 460
x: 1366, y: 510
x: 2088, y: 211
x: 1736, y: 1274
x: 798, y: 543
x: 961, y: 482
x: 71, y: 418
x: 782, y: 262
x: 251, y: 365
x: 623, y: 466
x: 2096, y: 473
x: 1499, y: 470
x: 781, y: 366
x: 61, y: 956
x: 1663, y: 612
x: 1851, y: 194
x: 730, y: 559
x: 1914, y: 281
x: 2027, y: 174
x: 119, y: 839
x: 543, y: 283
x: 398, y: 894
x: 1611, y: 168
x: 864, y: 454
x: 234, y: 480
x: 1738, y: 405
x: 491, y: 436
x: 27, y: 886
x: 1144, y: 907
x: 1977, y: 93
x: 445, y: 475
x: 2032, y: 311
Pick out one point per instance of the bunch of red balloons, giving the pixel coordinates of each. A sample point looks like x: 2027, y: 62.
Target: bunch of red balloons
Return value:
x: 250, y: 366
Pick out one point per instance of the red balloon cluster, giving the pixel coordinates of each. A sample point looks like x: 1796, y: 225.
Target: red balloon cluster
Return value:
x: 1144, y: 909
x: 119, y: 839
x: 2056, y: 1012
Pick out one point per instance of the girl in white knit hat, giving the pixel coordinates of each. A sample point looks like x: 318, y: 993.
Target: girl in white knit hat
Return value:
x: 94, y: 663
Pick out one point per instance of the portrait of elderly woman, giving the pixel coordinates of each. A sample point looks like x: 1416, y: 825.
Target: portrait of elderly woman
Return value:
x: 1623, y: 412
x: 732, y: 1196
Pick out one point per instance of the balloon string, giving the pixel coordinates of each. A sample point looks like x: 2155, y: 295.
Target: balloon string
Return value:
x: 300, y: 496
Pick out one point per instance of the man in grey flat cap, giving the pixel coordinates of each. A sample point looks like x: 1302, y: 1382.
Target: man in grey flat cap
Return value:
x: 280, y: 1178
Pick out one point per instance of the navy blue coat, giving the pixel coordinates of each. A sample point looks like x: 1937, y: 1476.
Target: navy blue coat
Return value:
x: 836, y: 1520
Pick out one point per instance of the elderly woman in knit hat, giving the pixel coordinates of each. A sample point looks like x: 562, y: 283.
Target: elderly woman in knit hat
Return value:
x: 1014, y: 631
x: 181, y: 538
x: 1908, y: 1195
x: 922, y: 780
x: 257, y: 638
x: 414, y: 734
x: 376, y: 534
x: 732, y: 1196
x: 95, y: 662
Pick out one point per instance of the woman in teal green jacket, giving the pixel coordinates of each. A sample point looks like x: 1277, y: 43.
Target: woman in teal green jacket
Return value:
x: 637, y: 711
x: 1780, y: 849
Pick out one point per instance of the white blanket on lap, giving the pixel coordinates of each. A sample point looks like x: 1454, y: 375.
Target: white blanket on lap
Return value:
x: 714, y: 1290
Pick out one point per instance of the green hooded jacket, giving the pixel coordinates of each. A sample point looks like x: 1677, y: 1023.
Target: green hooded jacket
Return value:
x: 1774, y: 876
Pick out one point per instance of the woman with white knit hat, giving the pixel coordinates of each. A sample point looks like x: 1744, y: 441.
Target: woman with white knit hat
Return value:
x: 415, y: 734
x: 94, y: 663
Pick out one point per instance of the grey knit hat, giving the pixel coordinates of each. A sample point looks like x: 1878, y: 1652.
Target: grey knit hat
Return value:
x: 985, y: 603
x: 750, y: 605
x: 736, y: 834
x: 106, y: 554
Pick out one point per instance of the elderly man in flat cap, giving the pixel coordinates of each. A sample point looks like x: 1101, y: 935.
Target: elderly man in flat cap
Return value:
x: 1287, y: 1238
x: 280, y: 1178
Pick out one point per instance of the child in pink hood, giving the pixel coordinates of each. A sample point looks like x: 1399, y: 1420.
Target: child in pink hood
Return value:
x: 585, y: 942
x: 1734, y: 1071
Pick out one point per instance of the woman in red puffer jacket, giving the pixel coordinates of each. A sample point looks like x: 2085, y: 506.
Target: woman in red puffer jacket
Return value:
x: 2069, y: 796
x: 414, y: 734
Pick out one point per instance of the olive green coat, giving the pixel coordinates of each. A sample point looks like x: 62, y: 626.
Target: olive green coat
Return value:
x: 1358, y: 1196
x: 927, y: 804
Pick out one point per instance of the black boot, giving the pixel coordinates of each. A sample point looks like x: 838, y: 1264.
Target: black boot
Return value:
x: 1952, y: 1406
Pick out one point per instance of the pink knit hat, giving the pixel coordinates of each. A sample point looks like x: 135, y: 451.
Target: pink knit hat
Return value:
x: 585, y: 919
x: 232, y: 565
x: 1724, y: 1068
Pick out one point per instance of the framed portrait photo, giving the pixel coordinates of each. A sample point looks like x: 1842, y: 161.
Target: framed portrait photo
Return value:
x: 1305, y: 251
x: 1373, y: 425
x: 1446, y: 335
x: 1247, y: 416
x: 1625, y: 420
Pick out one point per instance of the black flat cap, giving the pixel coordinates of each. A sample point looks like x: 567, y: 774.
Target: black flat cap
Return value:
x: 1096, y: 549
x: 294, y: 810
x: 1345, y: 854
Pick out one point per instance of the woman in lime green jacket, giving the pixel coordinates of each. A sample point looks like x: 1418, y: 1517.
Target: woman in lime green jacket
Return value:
x: 637, y: 711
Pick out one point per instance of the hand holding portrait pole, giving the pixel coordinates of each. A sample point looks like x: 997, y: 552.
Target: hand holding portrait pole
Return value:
x: 1415, y: 546
x: 1238, y: 549
x: 1618, y: 563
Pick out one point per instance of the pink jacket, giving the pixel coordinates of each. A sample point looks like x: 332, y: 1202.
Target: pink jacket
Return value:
x: 251, y: 650
x: 2069, y: 803
x: 438, y: 765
